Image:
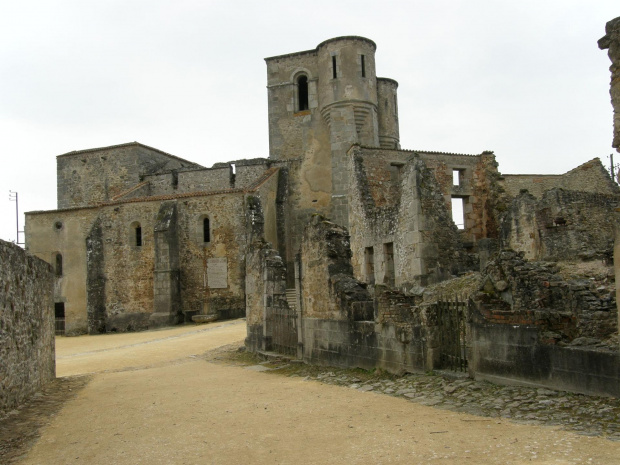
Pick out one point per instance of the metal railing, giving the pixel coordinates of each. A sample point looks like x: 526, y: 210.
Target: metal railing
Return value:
x: 451, y: 319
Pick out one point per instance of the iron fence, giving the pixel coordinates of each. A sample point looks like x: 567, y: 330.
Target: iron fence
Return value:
x: 451, y: 319
x: 284, y: 330
x: 60, y: 326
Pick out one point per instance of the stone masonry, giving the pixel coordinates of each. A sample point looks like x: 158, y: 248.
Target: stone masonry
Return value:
x: 26, y: 326
x: 611, y: 42
x: 329, y: 246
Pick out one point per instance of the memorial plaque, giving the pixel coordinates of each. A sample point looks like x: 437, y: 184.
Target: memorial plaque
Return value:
x: 217, y: 273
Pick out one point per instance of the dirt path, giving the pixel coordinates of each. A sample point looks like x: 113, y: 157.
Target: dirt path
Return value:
x: 152, y: 400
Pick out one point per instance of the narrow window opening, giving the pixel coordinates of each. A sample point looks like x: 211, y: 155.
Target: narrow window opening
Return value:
x: 334, y: 72
x: 58, y: 264
x: 59, y: 316
x: 233, y: 174
x: 138, y: 236
x: 388, y: 258
x: 302, y: 93
x: 369, y: 259
x: 206, y: 230
x: 363, y: 60
x: 458, y: 212
x: 395, y: 172
x: 457, y: 177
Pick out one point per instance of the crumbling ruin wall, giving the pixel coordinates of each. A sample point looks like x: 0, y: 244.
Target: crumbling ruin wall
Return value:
x: 402, y: 233
x: 562, y: 225
x: 533, y: 326
x: 426, y: 232
x: 265, y: 279
x: 26, y: 326
x: 589, y: 177
x: 477, y: 184
x: 266, y: 293
x: 326, y: 261
x: 611, y: 42
x: 341, y: 325
x: 518, y: 291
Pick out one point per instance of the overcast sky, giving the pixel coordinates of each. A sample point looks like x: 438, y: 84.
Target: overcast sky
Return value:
x: 524, y: 79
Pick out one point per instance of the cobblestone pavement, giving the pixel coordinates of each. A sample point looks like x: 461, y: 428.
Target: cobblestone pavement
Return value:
x: 588, y: 415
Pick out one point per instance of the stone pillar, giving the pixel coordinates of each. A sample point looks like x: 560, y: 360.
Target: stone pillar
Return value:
x: 611, y: 42
x: 95, y: 280
x: 166, y: 275
x: 300, y: 328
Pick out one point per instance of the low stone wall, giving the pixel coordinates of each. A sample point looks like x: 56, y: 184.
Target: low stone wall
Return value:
x: 26, y: 326
x: 513, y: 354
x: 397, y: 340
x: 364, y: 344
x: 576, y: 311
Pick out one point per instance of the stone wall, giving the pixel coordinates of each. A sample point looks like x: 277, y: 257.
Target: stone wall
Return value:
x: 26, y: 326
x: 108, y: 279
x: 89, y: 177
x: 611, y: 42
x: 346, y: 105
x: 227, y: 247
x: 588, y: 177
x: 265, y: 280
x: 329, y: 290
x: 573, y: 312
x: 125, y: 268
x: 513, y: 354
x: 364, y: 344
x: 240, y: 174
x: 341, y: 324
x: 561, y: 225
x: 64, y: 232
x: 399, y: 221
x: 478, y: 186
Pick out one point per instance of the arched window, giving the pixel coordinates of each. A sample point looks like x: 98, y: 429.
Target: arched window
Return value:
x: 206, y: 230
x: 138, y: 236
x: 302, y: 93
x: 58, y: 267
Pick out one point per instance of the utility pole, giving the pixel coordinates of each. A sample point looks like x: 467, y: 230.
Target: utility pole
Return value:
x: 611, y: 161
x: 13, y: 197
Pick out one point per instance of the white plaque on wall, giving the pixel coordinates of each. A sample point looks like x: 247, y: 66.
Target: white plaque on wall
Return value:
x: 217, y: 273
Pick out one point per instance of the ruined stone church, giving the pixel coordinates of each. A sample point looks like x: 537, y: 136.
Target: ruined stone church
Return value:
x: 335, y: 214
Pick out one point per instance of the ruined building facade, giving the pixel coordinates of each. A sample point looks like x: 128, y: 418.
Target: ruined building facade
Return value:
x: 326, y: 246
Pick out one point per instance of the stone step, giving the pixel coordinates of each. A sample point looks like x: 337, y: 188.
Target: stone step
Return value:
x: 204, y: 318
x: 291, y: 298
